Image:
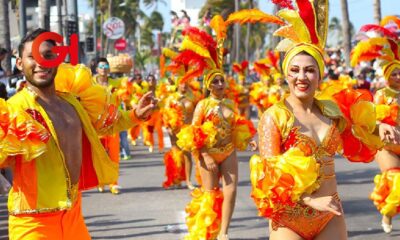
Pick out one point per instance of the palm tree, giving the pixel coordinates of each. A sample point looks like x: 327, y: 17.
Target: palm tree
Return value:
x: 274, y: 40
x: 346, y: 31
x: 147, y: 37
x: 141, y: 58
x: 256, y: 43
x: 153, y: 3
x: 335, y: 32
x: 222, y: 7
x: 5, y: 32
x: 377, y: 11
x: 236, y: 38
x: 156, y: 21
x: 247, y: 41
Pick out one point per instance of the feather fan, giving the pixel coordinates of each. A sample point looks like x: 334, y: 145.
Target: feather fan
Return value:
x: 252, y: 16
x: 390, y: 19
x: 369, y: 47
x: 219, y: 26
x: 379, y: 29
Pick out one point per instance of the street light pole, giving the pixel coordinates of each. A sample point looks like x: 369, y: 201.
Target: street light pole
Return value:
x: 22, y: 19
x: 73, y: 16
x: 59, y: 16
x: 237, y: 34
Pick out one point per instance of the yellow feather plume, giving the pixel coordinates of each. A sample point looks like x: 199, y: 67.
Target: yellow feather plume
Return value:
x: 219, y: 26
x: 293, y: 18
x: 285, y: 45
x: 188, y: 44
x: 365, y: 47
x: 252, y: 16
x: 169, y: 53
x: 287, y: 32
x: 388, y: 19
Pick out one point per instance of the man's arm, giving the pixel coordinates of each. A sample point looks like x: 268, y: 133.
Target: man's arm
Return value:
x: 134, y: 117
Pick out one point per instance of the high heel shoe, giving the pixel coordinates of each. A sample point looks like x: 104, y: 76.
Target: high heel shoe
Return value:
x: 223, y: 237
x: 190, y: 186
x: 387, y: 228
x: 114, y: 189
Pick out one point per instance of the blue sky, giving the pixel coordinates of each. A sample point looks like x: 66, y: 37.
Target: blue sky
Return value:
x: 360, y: 11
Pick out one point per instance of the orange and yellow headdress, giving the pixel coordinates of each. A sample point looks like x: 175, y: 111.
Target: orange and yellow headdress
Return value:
x: 306, y: 30
x: 200, y: 53
x: 385, y: 47
x: 204, y: 54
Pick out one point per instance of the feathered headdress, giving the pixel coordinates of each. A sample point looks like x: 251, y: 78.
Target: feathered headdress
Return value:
x: 385, y: 47
x: 200, y: 52
x: 204, y: 54
x: 306, y: 30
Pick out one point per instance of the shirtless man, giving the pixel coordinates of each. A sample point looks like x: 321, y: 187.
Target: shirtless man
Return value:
x: 45, y: 201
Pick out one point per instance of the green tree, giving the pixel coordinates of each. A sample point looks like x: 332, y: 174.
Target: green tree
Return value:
x: 141, y: 58
x: 154, y: 3
x: 156, y: 21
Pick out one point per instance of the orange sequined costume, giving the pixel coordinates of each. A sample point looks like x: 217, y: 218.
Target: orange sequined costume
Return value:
x: 215, y: 128
x: 293, y: 164
x: 282, y: 143
x: 218, y: 128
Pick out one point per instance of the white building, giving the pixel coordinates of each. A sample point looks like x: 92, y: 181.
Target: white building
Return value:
x: 192, y: 7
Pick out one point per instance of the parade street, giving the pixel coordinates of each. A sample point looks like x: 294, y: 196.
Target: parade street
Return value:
x: 144, y: 210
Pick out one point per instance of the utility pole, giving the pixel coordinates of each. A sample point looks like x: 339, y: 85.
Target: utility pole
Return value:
x: 237, y: 34
x: 377, y: 11
x: 95, y: 28
x: 59, y: 17
x: 73, y: 22
x: 22, y: 19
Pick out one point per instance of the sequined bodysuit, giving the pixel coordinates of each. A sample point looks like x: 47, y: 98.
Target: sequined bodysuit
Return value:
x: 276, y: 136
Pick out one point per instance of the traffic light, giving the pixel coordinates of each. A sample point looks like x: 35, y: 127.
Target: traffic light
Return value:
x: 72, y: 27
x: 89, y: 44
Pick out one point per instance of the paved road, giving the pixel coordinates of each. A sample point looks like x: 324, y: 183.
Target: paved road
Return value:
x: 143, y: 210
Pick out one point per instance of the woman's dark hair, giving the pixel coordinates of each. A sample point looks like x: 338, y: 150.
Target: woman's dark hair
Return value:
x: 3, y: 91
x: 102, y: 59
x: 151, y: 76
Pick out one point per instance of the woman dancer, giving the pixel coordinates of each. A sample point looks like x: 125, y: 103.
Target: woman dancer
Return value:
x: 294, y: 182
x: 216, y: 132
x: 386, y: 194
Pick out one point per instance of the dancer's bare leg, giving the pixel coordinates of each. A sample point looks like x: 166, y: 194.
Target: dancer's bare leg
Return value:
x: 229, y: 172
x: 210, y: 180
x: 387, y: 160
x: 188, y: 170
x: 334, y: 230
x: 282, y: 233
